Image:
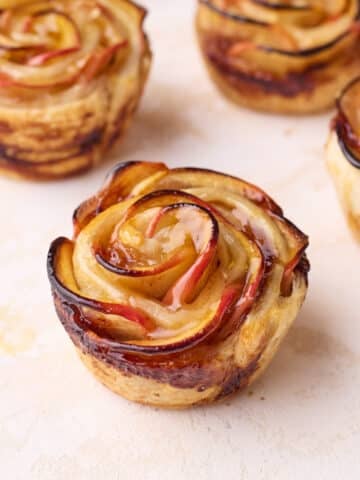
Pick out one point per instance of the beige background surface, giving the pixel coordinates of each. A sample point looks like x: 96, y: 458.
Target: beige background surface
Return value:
x: 301, y: 420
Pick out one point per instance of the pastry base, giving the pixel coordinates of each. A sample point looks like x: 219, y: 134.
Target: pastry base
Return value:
x: 320, y: 100
x: 251, y: 95
x: 249, y: 353
x: 347, y: 182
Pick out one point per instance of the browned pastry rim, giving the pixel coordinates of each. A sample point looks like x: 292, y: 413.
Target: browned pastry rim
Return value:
x: 343, y: 154
x: 349, y: 142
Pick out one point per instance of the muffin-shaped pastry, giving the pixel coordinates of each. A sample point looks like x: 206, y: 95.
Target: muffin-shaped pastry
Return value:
x: 343, y: 153
x: 280, y: 56
x: 179, y: 285
x: 71, y: 75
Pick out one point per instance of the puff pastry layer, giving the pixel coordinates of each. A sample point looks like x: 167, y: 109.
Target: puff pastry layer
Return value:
x: 343, y: 153
x: 280, y: 56
x: 71, y: 75
x: 179, y: 284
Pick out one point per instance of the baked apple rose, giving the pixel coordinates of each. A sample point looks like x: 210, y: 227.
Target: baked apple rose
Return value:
x: 71, y: 75
x: 343, y: 153
x: 281, y: 55
x: 179, y: 284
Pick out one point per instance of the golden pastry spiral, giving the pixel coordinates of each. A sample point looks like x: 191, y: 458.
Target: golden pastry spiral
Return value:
x: 55, y: 44
x: 179, y: 283
x: 71, y: 75
x: 281, y: 56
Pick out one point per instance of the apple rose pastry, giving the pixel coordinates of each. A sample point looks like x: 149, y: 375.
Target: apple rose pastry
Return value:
x: 343, y: 153
x: 71, y: 75
x: 283, y: 56
x: 179, y: 284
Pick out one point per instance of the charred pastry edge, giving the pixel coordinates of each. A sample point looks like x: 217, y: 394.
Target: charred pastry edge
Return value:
x: 300, y: 53
x: 95, y: 142
x: 342, y: 127
x: 348, y: 154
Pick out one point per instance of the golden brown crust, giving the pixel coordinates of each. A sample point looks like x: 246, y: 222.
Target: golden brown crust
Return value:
x: 179, y: 330
x: 264, y: 77
x: 70, y: 131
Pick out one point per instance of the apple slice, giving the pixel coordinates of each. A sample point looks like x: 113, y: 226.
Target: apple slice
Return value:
x: 185, y: 288
x: 118, y: 185
x: 10, y: 45
x: 44, y: 57
x: 60, y: 273
x: 168, y: 264
x: 184, y: 341
x: 67, y: 30
x: 98, y: 60
x: 250, y: 291
x: 61, y: 279
x: 6, y: 17
x: 27, y: 24
x: 6, y: 81
x: 187, y: 285
x: 99, y: 63
x: 182, y: 178
x: 240, y: 47
x: 255, y: 249
x: 105, y: 11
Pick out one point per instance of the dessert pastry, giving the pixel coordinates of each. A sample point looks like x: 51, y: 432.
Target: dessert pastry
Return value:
x: 71, y: 75
x: 343, y: 153
x: 179, y: 284
x: 280, y: 56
